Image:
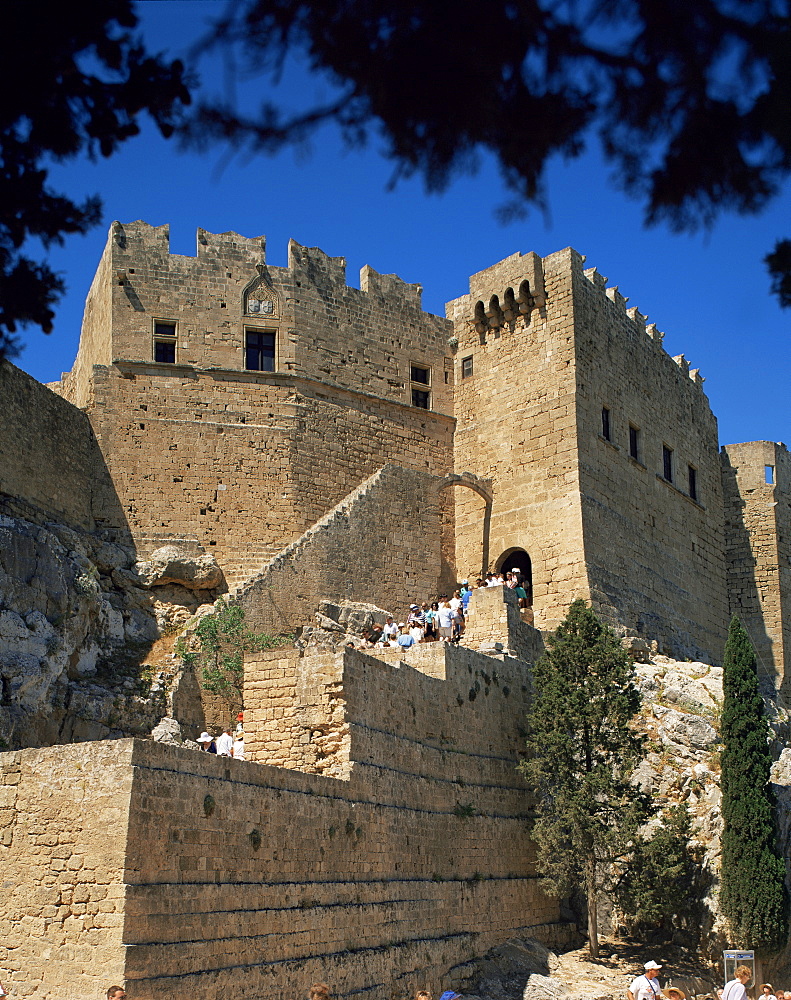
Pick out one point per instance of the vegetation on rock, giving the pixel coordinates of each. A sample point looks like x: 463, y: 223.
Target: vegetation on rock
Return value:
x: 582, y: 749
x: 222, y: 639
x: 753, y: 894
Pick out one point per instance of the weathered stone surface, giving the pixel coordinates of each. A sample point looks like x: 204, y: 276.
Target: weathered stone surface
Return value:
x: 176, y: 564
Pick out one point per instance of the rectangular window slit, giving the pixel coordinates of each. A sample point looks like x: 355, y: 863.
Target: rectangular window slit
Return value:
x: 605, y: 423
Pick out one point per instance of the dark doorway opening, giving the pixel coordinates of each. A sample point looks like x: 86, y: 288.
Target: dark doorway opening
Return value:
x: 518, y: 559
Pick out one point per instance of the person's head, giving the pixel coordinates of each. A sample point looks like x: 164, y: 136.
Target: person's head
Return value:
x: 743, y: 973
x: 423, y: 995
x: 204, y: 739
x: 651, y: 969
x: 116, y: 993
x: 674, y: 993
x: 319, y: 991
x: 424, y: 606
x: 435, y: 606
x: 780, y: 994
x: 766, y: 988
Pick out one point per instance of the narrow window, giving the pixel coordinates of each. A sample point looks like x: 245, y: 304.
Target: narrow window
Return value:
x: 693, y: 481
x: 667, y: 463
x: 466, y: 367
x: 164, y: 341
x: 605, y: 423
x: 420, y: 376
x: 259, y: 351
x: 769, y: 475
x: 634, y: 443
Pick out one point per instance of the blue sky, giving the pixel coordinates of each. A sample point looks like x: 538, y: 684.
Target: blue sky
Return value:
x: 708, y: 291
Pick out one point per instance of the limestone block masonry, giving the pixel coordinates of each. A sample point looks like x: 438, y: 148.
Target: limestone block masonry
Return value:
x: 237, y: 405
x: 381, y: 866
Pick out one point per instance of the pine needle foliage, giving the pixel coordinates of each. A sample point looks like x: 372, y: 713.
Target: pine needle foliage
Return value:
x: 752, y: 894
x: 658, y: 887
x: 581, y: 753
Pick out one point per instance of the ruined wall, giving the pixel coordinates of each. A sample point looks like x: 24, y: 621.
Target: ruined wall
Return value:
x: 380, y: 545
x: 758, y: 536
x: 242, y: 876
x: 515, y: 423
x: 64, y: 815
x: 654, y: 553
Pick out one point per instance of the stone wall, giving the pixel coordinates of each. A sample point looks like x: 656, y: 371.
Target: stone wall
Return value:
x: 235, y: 875
x: 516, y: 415
x: 381, y: 545
x: 64, y: 815
x: 758, y: 535
x: 243, y: 463
x: 654, y: 553
x: 362, y: 339
x: 51, y: 468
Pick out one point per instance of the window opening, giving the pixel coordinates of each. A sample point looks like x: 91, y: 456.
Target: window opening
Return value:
x: 259, y: 353
x: 421, y: 374
x: 466, y: 367
x: 634, y: 443
x: 164, y: 341
x: 769, y: 475
x: 605, y: 423
x: 420, y: 398
x: 667, y: 463
x: 693, y: 481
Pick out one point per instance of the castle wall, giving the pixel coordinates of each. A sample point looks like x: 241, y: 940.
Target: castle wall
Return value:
x: 381, y: 545
x: 51, y: 467
x: 655, y: 554
x: 245, y: 463
x: 515, y: 426
x: 758, y: 536
x: 64, y: 815
x: 243, y: 876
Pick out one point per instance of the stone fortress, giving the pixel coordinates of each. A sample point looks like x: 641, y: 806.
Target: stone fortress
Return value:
x: 312, y: 441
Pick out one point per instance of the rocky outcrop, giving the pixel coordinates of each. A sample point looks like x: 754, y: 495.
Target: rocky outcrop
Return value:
x: 81, y: 634
x: 176, y: 564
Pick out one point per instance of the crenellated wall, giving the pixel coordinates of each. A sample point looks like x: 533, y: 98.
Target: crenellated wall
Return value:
x: 654, y: 551
x: 757, y: 484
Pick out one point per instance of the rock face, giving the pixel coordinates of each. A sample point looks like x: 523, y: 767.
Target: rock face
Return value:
x: 183, y: 566
x: 338, y: 624
x: 77, y: 627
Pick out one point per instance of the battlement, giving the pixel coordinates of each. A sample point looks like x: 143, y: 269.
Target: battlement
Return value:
x: 640, y: 320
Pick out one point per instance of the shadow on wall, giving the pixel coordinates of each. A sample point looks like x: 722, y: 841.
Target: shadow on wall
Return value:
x: 745, y: 600
x: 77, y: 624
x: 380, y: 545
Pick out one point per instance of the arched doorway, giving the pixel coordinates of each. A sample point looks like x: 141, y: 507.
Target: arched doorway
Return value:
x: 518, y: 559
x: 465, y: 510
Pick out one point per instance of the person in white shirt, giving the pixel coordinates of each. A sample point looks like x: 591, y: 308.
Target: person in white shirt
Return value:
x: 238, y: 745
x: 225, y: 744
x: 646, y: 987
x: 736, y: 989
x: 445, y: 613
x: 390, y: 630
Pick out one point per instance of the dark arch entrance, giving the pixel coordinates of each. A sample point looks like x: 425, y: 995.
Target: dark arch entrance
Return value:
x: 519, y: 560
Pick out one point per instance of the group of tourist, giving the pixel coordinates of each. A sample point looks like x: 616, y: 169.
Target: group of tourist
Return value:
x: 443, y: 620
x: 228, y: 744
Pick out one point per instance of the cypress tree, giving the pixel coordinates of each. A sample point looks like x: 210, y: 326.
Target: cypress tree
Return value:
x: 581, y: 752
x: 752, y: 895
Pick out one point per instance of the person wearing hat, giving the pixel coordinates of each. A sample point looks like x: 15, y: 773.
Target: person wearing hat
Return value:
x: 674, y: 993
x: 646, y: 987
x: 450, y: 995
x: 390, y: 630
x: 207, y: 743
x: 238, y: 745
x: 405, y: 640
x: 767, y: 992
